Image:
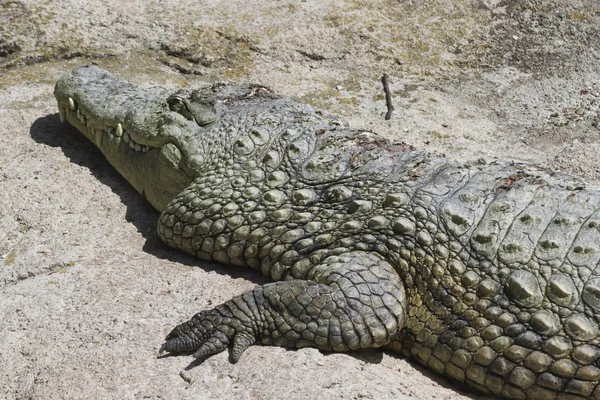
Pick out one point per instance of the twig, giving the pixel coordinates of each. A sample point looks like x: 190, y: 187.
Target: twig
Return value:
x: 388, y: 96
x: 180, y: 68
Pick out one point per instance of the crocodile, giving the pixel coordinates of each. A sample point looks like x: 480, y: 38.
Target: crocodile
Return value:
x: 486, y: 272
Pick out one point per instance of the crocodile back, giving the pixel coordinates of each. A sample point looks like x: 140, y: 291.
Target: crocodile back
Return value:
x: 503, y: 281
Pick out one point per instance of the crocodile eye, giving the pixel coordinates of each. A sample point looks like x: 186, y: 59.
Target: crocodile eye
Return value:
x: 193, y: 108
x: 177, y: 104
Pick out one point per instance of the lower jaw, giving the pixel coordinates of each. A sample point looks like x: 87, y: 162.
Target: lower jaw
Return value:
x: 138, y: 164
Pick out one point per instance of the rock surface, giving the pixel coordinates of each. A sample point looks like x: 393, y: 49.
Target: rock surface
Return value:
x: 88, y: 291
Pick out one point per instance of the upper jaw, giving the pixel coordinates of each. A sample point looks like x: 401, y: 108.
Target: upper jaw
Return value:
x: 101, y: 133
x: 99, y: 105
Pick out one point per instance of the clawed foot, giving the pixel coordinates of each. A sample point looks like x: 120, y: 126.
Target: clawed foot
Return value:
x: 209, y: 332
x: 355, y: 301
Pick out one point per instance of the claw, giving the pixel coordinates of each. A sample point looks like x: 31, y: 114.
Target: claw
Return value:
x: 240, y: 343
x: 210, y: 332
x: 182, y: 338
x: 211, y: 347
x: 163, y: 348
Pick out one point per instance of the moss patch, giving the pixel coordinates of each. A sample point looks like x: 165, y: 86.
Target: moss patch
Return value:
x: 10, y: 258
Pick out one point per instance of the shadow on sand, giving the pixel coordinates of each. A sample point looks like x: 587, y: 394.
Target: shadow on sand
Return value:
x: 50, y: 131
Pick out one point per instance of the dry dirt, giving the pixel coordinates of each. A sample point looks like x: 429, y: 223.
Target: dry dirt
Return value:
x: 88, y: 291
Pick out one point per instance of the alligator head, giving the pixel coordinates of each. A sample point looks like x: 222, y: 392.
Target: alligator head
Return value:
x: 151, y: 135
x: 161, y: 140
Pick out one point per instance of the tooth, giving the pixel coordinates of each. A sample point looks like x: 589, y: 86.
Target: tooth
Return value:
x: 71, y: 104
x: 125, y: 136
x: 98, y: 135
x: 119, y: 130
x: 61, y: 114
x: 145, y: 149
x: 79, y: 115
x: 138, y: 147
x: 132, y: 145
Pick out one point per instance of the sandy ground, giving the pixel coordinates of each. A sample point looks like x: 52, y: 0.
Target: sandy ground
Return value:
x: 87, y: 290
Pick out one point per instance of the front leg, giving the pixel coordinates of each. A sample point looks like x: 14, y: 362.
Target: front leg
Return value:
x: 355, y: 300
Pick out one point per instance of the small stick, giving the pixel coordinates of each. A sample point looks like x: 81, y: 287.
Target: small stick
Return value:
x: 388, y: 96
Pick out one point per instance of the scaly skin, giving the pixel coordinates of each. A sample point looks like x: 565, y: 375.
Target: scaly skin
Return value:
x: 485, y: 273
